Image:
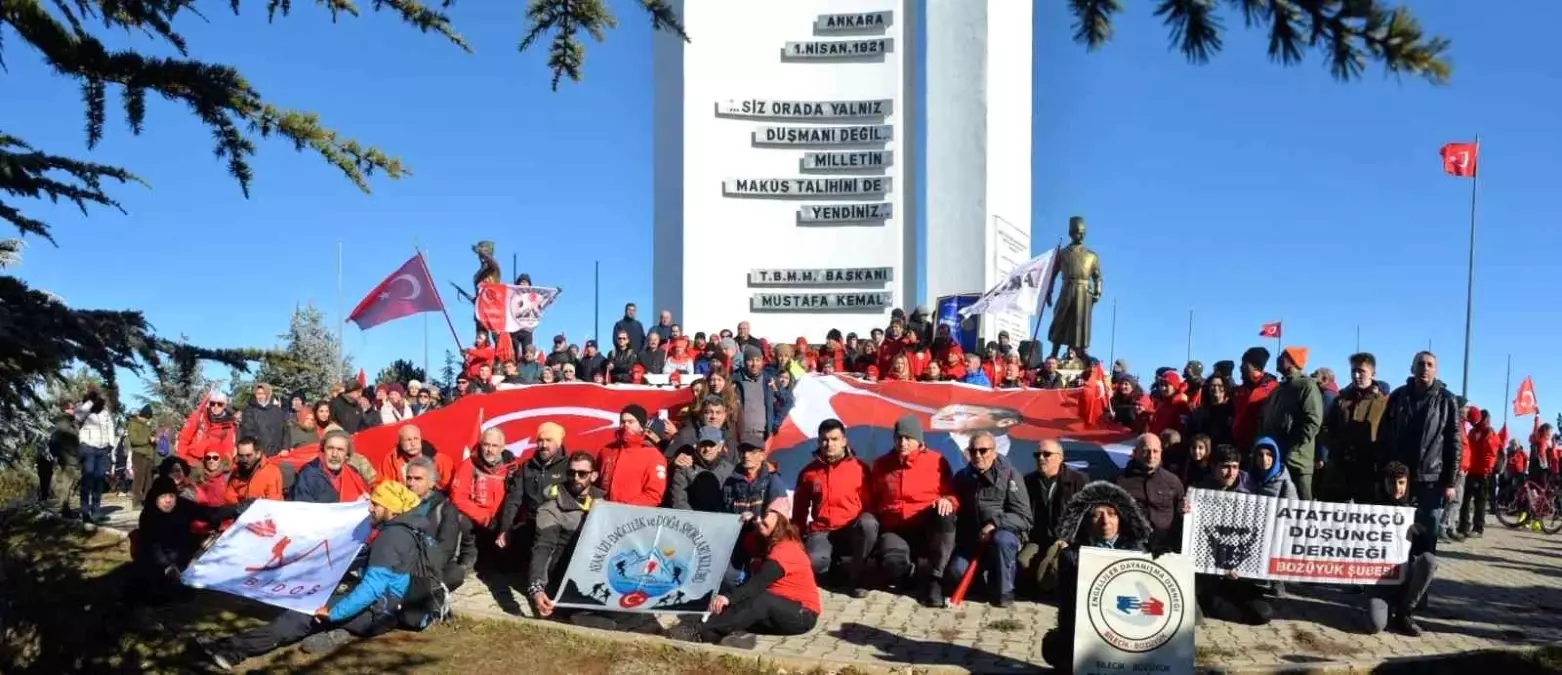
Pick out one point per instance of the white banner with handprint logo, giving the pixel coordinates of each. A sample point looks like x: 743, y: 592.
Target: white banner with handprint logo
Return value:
x: 640, y: 559
x: 1260, y: 537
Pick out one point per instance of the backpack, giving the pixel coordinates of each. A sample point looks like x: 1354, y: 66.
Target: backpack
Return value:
x: 428, y: 599
x: 163, y: 446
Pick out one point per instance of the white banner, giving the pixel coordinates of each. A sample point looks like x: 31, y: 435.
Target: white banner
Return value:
x: 288, y: 554
x: 640, y: 559
x: 504, y: 308
x: 1023, y: 291
x: 1133, y: 613
x: 1293, y: 540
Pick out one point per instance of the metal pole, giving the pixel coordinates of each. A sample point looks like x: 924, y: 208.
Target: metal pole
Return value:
x: 1190, y: 336
x: 341, y: 316
x: 1112, y: 350
x: 596, y: 300
x: 1507, y: 384
x: 1469, y: 291
x: 419, y: 252
x: 422, y: 260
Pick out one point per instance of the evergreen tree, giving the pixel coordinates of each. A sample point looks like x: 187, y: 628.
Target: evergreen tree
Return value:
x: 447, y: 373
x: 400, y: 370
x: 23, y: 432
x: 175, y: 393
x: 309, y: 361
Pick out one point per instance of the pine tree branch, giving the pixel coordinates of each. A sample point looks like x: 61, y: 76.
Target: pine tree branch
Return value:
x: 566, y: 19
x: 25, y: 172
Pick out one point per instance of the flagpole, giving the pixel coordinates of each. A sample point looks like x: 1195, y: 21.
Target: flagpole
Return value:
x: 341, y: 314
x: 419, y: 253
x: 1507, y: 384
x: 1190, y: 336
x: 1469, y: 290
x: 1279, y: 338
x: 442, y: 309
x: 1112, y: 350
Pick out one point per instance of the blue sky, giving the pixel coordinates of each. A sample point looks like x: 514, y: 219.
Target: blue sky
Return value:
x: 1241, y: 191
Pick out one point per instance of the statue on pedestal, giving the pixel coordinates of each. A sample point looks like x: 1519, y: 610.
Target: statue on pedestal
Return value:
x: 487, y: 272
x: 1078, y: 291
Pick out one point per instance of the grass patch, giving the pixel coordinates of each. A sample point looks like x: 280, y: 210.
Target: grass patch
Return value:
x: 62, y: 609
x: 1318, y: 644
x: 1007, y: 625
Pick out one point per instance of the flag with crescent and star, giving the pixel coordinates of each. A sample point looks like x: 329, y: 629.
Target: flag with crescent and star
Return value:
x: 407, y: 291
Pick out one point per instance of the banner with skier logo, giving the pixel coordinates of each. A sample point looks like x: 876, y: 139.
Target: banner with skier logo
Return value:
x: 287, y: 554
x: 641, y: 559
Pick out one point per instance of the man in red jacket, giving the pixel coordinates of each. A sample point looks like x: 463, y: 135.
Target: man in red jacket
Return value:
x: 1247, y: 402
x: 1485, y: 447
x: 634, y: 471
x: 911, y: 494
x: 827, y: 506
x: 477, y: 490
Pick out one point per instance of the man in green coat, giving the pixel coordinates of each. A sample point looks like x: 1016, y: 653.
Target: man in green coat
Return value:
x: 1293, y: 415
x: 143, y: 453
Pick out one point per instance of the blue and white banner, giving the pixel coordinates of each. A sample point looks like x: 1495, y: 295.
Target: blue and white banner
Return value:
x: 288, y: 554
x: 640, y: 559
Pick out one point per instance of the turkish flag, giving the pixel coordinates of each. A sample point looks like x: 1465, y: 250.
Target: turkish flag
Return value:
x: 407, y: 291
x: 1524, y: 403
x: 1270, y: 330
x: 1459, y: 159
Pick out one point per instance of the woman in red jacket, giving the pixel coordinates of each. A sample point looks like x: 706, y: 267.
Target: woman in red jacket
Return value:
x: 779, y: 597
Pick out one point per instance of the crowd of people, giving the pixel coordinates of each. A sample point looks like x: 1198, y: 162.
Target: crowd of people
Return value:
x: 902, y: 519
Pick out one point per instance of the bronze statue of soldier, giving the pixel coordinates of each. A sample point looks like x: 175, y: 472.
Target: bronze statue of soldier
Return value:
x: 1078, y: 293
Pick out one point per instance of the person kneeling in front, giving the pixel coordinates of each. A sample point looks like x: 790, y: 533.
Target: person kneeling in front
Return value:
x: 1102, y: 515
x: 1229, y: 597
x: 1394, y: 606
x: 779, y: 597
x: 558, y: 524
x: 374, y: 604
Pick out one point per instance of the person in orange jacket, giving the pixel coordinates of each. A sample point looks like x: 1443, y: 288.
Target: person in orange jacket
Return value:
x: 409, y: 445
x: 253, y: 476
x: 911, y: 498
x: 634, y: 470
x: 828, y: 506
x: 477, y: 490
x: 1485, y: 447
x: 211, y: 429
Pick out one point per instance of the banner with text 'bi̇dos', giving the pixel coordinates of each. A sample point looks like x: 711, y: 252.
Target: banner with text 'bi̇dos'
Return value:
x: 288, y: 554
x: 1262, y: 537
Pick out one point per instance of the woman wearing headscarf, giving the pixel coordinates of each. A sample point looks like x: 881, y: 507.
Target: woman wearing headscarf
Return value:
x: 164, y: 542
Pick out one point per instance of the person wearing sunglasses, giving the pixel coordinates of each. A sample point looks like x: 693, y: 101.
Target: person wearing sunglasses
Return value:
x: 211, y: 480
x: 211, y: 431
x: 558, y: 530
x: 993, y: 518
x: 1049, y: 487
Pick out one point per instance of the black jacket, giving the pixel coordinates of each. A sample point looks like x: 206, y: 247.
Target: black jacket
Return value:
x: 268, y: 424
x: 345, y: 413
x: 996, y: 496
x: 1421, y: 430
x: 653, y: 360
x: 589, y: 366
x: 1047, y: 509
x: 1158, y: 492
x: 623, y: 362
x: 558, y: 528
x: 164, y: 539
x: 635, y: 330
x: 528, y: 489
x: 444, y: 523
x: 699, y: 487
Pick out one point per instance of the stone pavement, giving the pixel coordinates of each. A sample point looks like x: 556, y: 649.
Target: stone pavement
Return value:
x: 1499, y: 591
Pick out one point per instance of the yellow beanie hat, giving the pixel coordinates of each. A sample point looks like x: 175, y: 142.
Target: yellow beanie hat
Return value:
x: 395, y: 497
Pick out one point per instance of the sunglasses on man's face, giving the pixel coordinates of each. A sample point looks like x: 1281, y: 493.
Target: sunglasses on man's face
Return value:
x: 982, y: 451
x: 1046, y: 455
x: 213, y: 458
x: 577, y: 473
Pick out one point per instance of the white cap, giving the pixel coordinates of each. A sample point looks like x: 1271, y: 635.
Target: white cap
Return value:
x: 414, y: 384
x: 217, y: 397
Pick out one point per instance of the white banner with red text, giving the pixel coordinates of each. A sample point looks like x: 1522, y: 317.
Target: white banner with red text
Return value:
x: 288, y: 554
x: 1261, y: 537
x: 640, y: 559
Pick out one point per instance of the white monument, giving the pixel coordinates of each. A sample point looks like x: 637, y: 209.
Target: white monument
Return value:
x: 784, y: 184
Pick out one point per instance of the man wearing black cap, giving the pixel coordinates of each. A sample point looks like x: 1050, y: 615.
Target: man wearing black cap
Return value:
x: 591, y: 363
x: 1193, y: 382
x: 1248, y: 400
x: 911, y: 494
x: 560, y: 354
x: 697, y: 482
x: 633, y: 470
x: 755, y: 391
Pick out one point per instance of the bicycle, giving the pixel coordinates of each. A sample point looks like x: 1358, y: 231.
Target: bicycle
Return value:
x: 1534, y: 504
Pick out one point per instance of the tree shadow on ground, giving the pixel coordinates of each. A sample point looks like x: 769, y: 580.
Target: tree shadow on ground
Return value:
x: 503, y: 588
x: 898, y: 649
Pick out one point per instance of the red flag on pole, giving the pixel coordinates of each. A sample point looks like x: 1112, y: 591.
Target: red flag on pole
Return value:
x: 1270, y: 330
x: 363, y: 379
x: 407, y: 291
x: 1459, y: 159
x: 1525, y: 403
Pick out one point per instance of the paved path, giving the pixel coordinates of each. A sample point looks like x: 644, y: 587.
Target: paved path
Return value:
x: 1499, y: 591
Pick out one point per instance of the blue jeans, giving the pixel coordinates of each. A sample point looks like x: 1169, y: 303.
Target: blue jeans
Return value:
x: 999, y: 555
x: 94, y: 476
x: 1429, y: 507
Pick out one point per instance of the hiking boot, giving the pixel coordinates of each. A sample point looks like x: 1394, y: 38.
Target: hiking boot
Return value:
x: 740, y: 640
x: 858, y: 592
x: 325, y: 642
x: 1405, y: 625
x: 1004, y: 601
x: 933, y: 595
